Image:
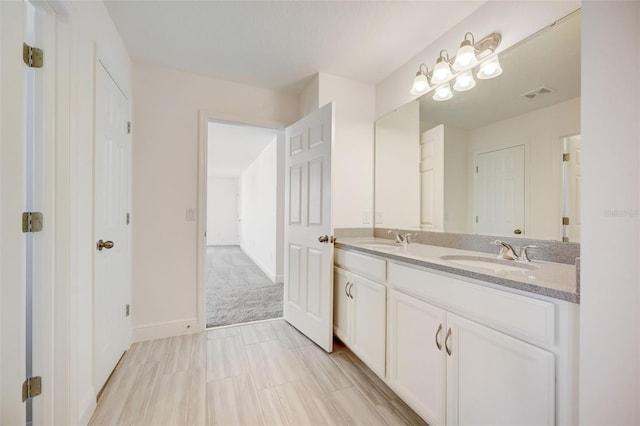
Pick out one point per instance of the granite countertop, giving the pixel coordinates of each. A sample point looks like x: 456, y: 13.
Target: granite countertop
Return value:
x: 556, y: 280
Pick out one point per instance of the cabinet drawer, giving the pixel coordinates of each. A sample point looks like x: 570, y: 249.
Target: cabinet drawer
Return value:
x: 518, y: 315
x: 366, y: 266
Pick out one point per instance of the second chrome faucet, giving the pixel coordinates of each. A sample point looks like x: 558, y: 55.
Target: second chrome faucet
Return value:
x: 400, y: 238
x: 508, y: 252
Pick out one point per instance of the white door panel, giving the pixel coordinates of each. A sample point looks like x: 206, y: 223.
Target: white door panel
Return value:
x: 432, y: 179
x: 308, y: 284
x: 111, y: 283
x: 500, y: 192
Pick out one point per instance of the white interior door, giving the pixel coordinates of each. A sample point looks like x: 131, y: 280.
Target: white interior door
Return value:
x: 111, y: 204
x: 432, y: 179
x: 573, y: 189
x: 500, y: 192
x: 308, y: 261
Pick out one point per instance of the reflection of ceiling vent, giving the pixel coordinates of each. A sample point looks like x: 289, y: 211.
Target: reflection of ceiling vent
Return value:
x: 539, y: 91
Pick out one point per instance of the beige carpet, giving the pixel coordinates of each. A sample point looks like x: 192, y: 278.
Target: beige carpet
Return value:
x: 237, y: 290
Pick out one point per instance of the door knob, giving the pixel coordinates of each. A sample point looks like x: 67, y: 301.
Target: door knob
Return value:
x: 104, y: 245
x: 326, y: 239
x: 517, y: 231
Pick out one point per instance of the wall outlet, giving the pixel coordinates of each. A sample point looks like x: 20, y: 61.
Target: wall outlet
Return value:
x: 190, y: 214
x: 365, y: 218
x: 379, y: 218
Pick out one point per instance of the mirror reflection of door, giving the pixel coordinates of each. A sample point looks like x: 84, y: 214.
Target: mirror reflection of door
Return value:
x: 572, y: 180
x: 500, y: 192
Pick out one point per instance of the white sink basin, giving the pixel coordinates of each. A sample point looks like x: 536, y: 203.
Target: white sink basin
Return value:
x: 383, y: 247
x: 489, y: 263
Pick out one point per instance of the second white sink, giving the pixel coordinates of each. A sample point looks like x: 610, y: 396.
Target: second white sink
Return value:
x: 489, y: 263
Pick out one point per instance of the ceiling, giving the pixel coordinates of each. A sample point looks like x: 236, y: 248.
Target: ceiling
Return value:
x: 232, y: 148
x: 280, y: 45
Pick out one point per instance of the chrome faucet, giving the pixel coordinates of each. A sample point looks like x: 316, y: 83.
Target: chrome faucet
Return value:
x: 508, y: 252
x: 404, y: 239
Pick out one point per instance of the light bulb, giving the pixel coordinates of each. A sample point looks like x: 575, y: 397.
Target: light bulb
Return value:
x: 464, y: 82
x: 421, y: 82
x: 466, y: 57
x: 442, y: 70
x: 443, y: 93
x: 490, y: 69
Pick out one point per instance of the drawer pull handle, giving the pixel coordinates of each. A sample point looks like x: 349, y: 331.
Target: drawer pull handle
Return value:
x: 349, y: 291
x: 345, y: 288
x: 446, y: 342
x: 438, y: 345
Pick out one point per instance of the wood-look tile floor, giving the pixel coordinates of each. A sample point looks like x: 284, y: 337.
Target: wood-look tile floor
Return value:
x: 265, y: 373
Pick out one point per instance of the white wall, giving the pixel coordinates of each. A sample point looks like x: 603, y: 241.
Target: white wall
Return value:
x: 259, y: 211
x: 222, y: 211
x: 610, y: 283
x: 541, y: 133
x: 352, y: 162
x: 397, y: 169
x: 455, y: 179
x: 165, y: 183
x: 515, y: 20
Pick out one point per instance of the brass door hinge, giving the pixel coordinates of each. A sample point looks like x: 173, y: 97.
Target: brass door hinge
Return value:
x: 566, y: 157
x: 128, y: 127
x: 565, y: 220
x: 32, y: 56
x: 31, y: 388
x: 31, y: 222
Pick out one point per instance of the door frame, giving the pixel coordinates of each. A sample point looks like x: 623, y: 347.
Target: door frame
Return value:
x: 204, y: 117
x: 58, y: 399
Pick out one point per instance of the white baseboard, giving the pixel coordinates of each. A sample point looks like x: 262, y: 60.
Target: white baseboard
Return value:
x: 87, y: 407
x: 268, y: 272
x: 279, y: 279
x: 223, y: 243
x: 165, y: 329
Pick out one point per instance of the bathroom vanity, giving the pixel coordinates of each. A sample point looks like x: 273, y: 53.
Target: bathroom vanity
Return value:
x: 460, y: 336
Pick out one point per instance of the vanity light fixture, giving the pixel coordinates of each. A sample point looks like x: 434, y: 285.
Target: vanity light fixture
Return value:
x: 421, y: 82
x: 442, y: 71
x: 443, y: 93
x: 490, y: 69
x: 466, y: 56
x: 464, y: 82
x: 469, y: 55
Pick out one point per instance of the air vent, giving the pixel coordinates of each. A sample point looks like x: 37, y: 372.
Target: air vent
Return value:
x: 537, y: 92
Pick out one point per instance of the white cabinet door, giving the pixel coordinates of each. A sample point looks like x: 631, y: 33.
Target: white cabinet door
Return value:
x: 341, y: 303
x: 494, y: 379
x: 369, y: 316
x: 415, y: 361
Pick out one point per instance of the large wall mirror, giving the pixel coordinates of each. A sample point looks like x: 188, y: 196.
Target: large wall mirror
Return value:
x: 501, y: 159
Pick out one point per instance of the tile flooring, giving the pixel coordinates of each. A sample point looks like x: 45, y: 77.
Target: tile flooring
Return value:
x: 264, y: 373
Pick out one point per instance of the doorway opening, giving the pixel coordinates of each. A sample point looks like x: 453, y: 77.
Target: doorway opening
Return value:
x: 244, y: 224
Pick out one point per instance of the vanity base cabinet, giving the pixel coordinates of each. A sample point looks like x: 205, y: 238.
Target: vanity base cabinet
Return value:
x: 495, y: 379
x: 415, y: 362
x: 454, y: 371
x: 360, y: 317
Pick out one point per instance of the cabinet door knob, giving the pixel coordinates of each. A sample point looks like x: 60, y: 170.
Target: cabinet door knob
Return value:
x: 438, y: 345
x: 446, y: 342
